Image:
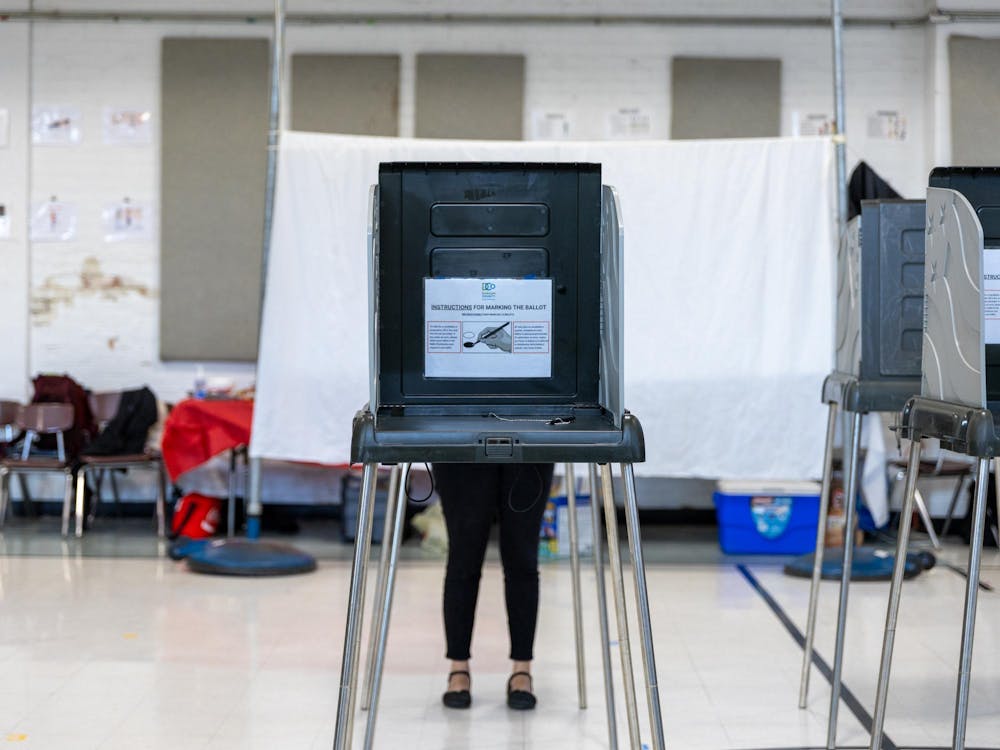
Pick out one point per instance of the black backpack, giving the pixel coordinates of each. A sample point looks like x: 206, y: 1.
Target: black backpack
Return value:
x: 127, y: 431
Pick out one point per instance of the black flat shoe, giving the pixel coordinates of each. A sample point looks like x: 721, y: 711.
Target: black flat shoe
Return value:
x: 520, y: 700
x: 457, y: 698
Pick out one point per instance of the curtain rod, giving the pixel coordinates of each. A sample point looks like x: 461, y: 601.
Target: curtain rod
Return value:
x: 468, y: 19
x: 465, y: 19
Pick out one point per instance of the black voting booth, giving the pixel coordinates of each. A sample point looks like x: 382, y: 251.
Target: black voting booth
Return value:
x: 495, y: 306
x: 880, y: 271
x: 959, y: 401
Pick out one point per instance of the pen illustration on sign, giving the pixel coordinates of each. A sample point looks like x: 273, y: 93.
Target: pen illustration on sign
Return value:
x: 494, y: 338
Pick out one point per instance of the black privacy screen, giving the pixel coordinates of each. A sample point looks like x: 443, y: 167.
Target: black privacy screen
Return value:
x: 489, y: 283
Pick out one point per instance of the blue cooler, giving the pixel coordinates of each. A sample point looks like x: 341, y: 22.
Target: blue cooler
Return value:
x: 771, y: 518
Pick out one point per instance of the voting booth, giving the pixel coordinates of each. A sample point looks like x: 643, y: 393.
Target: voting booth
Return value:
x: 960, y: 389
x: 880, y: 278
x: 495, y: 335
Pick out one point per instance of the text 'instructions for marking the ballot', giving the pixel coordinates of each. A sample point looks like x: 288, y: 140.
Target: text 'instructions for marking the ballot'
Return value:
x: 488, y: 328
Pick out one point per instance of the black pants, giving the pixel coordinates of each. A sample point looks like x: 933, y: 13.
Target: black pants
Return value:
x: 472, y: 496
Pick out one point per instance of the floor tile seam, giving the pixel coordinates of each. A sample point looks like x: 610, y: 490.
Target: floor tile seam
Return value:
x: 847, y: 695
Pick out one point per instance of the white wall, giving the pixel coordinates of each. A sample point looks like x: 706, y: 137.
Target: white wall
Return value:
x: 107, y: 336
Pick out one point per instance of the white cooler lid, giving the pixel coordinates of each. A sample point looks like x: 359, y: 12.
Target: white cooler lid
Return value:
x: 766, y: 487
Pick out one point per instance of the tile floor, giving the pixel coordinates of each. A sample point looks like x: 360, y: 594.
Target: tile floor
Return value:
x: 103, y: 651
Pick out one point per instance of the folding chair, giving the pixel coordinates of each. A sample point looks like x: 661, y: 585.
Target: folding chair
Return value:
x: 37, y: 420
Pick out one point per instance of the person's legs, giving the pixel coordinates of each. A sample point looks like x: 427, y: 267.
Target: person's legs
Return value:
x: 524, y: 493
x: 468, y: 499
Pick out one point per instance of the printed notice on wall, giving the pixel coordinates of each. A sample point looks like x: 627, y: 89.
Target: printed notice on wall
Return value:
x: 551, y: 126
x: 811, y: 123
x: 991, y: 295
x: 887, y: 125
x: 629, y: 122
x: 488, y: 328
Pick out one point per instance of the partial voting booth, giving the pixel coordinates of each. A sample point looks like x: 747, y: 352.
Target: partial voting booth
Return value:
x: 496, y: 336
x: 877, y: 368
x: 960, y: 387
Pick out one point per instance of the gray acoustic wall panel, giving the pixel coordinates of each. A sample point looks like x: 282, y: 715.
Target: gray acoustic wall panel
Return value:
x: 356, y: 94
x: 975, y: 100
x: 954, y: 351
x: 470, y: 96
x: 725, y: 98
x: 214, y: 100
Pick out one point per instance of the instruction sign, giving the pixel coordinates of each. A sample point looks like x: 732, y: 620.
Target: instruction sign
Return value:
x: 488, y: 328
x: 991, y: 295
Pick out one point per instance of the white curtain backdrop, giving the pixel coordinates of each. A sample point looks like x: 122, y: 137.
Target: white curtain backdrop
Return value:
x: 729, y: 256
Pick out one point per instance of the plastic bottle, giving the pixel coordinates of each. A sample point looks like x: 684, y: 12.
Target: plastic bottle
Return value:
x: 199, y: 382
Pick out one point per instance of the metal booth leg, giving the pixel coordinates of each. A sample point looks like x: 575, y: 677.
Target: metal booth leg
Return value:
x: 602, y: 608
x: 898, y: 569
x: 845, y: 578
x: 642, y: 606
x: 925, y: 519
x: 618, y: 591
x: 392, y: 538
x: 971, y: 597
x: 817, y: 574
x: 383, y: 568
x: 574, y: 565
x: 355, y: 612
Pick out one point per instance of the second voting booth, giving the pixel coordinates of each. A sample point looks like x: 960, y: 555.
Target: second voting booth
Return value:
x: 880, y: 275
x: 960, y: 387
x: 495, y: 335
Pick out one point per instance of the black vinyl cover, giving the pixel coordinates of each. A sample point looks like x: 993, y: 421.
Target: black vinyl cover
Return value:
x: 489, y: 220
x: 892, y: 280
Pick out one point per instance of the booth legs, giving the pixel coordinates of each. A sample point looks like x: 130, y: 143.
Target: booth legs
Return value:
x: 386, y: 583
x: 602, y: 609
x: 642, y: 607
x: 851, y: 461
x: 380, y: 582
x: 618, y: 591
x: 971, y: 597
x: 355, y: 612
x: 824, y: 505
x: 574, y: 564
x: 881, y: 694
x: 392, y: 539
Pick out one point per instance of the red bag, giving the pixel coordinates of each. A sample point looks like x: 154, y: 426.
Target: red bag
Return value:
x: 196, y: 516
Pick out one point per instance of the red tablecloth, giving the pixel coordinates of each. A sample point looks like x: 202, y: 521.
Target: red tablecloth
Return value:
x: 197, y: 430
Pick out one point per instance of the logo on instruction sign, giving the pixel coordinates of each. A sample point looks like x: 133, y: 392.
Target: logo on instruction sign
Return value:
x: 488, y: 290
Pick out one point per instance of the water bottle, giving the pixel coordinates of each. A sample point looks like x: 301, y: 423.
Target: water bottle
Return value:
x: 199, y: 382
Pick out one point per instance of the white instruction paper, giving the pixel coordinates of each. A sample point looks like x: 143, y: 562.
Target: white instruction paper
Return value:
x: 488, y: 328
x: 991, y: 295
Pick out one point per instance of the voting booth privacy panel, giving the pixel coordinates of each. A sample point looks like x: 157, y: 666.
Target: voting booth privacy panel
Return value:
x: 729, y: 287
x: 508, y: 258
